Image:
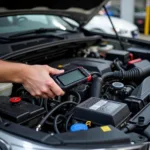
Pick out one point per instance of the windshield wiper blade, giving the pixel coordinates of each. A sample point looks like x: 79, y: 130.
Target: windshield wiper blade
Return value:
x: 22, y: 38
x: 40, y: 31
x: 28, y: 37
x: 34, y: 34
x: 4, y: 40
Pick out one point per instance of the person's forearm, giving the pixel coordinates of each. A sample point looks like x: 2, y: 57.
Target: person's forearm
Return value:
x: 35, y: 79
x: 11, y: 72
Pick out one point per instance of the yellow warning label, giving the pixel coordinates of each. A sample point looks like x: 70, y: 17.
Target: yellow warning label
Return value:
x: 106, y: 128
x: 60, y: 66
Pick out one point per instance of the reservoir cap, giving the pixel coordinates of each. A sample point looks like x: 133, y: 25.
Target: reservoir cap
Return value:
x: 78, y: 127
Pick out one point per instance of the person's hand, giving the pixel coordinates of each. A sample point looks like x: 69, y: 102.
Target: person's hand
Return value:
x: 37, y: 81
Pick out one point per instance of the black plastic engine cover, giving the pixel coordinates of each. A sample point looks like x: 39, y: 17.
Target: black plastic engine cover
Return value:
x: 20, y: 112
x: 100, y: 135
x: 121, y: 55
x: 102, y: 112
x: 91, y: 64
x: 144, y: 114
x: 140, y: 96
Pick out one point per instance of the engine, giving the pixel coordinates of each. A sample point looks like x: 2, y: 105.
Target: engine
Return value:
x: 117, y: 94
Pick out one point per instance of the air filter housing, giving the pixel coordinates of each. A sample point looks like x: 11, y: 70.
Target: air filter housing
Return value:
x: 102, y: 112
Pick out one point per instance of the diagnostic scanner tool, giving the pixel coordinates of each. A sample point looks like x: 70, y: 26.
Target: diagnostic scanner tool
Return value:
x: 72, y: 78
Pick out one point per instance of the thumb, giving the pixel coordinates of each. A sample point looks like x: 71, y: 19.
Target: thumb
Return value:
x: 54, y: 71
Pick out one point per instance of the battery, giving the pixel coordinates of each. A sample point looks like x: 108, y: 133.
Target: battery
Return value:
x: 19, y: 111
x: 102, y: 112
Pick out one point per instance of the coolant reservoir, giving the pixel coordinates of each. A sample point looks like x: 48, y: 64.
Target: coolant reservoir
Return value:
x: 6, y: 89
x: 105, y: 47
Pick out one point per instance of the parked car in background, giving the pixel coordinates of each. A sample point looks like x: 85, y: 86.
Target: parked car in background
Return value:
x: 123, y: 28
x: 101, y: 24
x: 140, y: 20
x: 139, y: 16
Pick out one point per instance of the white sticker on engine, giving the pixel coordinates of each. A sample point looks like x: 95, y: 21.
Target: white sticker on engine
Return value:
x: 98, y: 105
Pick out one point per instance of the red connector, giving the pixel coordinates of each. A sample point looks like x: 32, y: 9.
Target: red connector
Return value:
x: 134, y: 61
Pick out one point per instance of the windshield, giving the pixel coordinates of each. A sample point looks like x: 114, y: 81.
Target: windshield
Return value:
x: 21, y: 23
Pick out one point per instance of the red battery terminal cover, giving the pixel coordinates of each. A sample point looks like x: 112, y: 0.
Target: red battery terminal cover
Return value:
x: 15, y: 100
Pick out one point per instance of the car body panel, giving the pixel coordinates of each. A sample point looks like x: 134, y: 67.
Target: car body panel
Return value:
x: 103, y: 23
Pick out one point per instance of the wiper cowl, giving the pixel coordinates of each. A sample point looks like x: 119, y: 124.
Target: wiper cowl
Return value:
x: 33, y: 34
x: 40, y: 31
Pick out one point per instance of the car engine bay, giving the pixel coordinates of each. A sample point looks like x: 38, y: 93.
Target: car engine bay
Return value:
x: 116, y: 97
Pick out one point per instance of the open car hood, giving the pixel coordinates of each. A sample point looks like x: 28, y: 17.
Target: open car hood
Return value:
x: 80, y: 10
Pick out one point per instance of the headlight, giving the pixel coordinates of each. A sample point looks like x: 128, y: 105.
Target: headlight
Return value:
x: 123, y: 31
x: 120, y: 31
x: 135, y: 33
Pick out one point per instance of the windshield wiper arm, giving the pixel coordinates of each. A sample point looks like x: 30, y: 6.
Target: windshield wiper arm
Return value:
x: 8, y: 40
x: 22, y: 38
x: 34, y: 34
x: 40, y: 31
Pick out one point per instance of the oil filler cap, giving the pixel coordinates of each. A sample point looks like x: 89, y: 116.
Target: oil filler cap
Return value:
x: 117, y: 85
x: 15, y: 100
x: 78, y: 127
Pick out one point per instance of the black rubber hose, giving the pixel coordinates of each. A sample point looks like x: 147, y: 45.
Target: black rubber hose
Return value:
x: 1, y: 120
x: 51, y: 112
x: 96, y: 74
x: 97, y: 83
x: 118, y: 64
x: 67, y: 122
x: 132, y: 74
x: 129, y: 128
x: 46, y: 104
x: 76, y: 94
x: 107, y: 75
x: 41, y: 102
x: 56, y: 122
x: 51, y: 123
x: 96, y: 87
